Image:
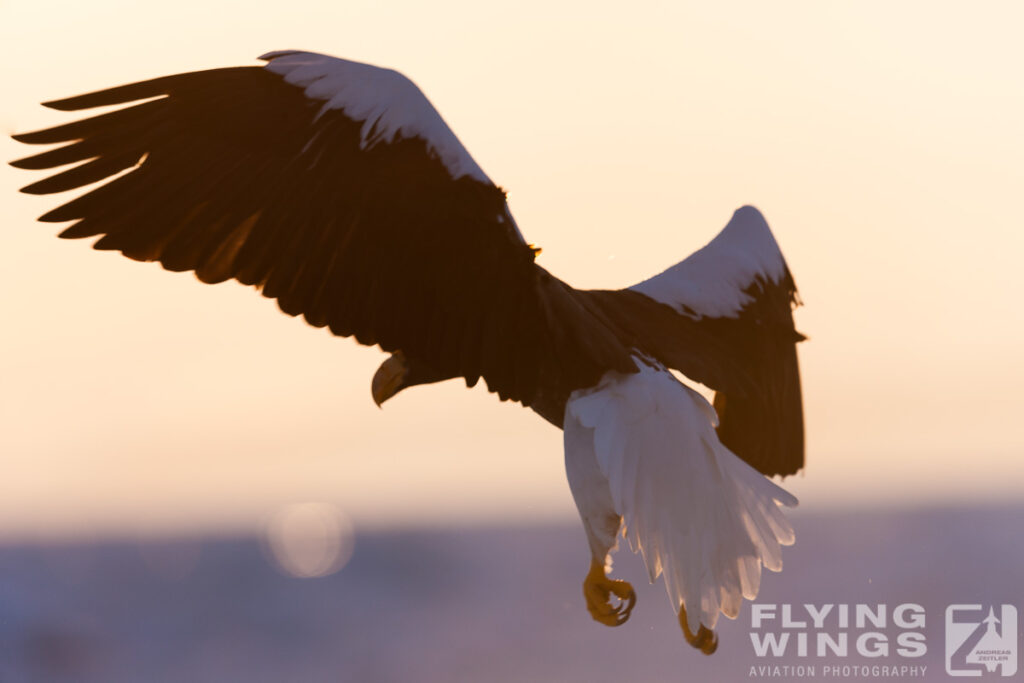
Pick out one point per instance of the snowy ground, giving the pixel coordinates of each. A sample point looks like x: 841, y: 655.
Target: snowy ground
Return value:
x: 475, y: 605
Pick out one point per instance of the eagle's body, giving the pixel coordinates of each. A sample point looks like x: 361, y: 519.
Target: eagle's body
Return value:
x: 337, y: 189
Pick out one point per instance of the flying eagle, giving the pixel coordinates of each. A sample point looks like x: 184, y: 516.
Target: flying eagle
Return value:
x: 336, y: 188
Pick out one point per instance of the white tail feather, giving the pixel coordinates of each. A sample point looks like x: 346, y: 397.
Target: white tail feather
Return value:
x: 696, y: 513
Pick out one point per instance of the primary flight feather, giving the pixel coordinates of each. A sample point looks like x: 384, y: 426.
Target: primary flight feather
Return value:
x: 337, y: 189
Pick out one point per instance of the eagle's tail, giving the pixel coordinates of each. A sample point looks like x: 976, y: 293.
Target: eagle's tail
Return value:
x: 696, y: 512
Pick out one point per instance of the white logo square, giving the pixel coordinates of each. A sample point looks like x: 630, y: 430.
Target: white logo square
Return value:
x: 981, y: 640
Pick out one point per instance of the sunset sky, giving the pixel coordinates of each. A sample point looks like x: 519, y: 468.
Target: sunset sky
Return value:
x: 883, y: 142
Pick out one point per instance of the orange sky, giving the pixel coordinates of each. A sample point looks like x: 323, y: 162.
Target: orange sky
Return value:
x: 881, y: 140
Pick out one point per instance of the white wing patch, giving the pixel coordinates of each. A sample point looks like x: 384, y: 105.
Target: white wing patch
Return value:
x: 389, y: 105
x: 696, y: 512
x: 710, y: 282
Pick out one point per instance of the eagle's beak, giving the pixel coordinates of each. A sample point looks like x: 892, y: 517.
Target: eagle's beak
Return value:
x: 388, y: 379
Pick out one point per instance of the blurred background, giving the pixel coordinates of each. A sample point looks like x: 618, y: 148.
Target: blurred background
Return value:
x: 196, y: 486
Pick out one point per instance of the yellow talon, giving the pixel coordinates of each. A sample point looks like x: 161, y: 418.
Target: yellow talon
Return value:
x: 598, y: 589
x: 706, y: 640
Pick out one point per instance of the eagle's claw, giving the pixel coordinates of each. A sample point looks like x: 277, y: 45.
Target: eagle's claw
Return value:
x: 598, y: 589
x: 705, y: 640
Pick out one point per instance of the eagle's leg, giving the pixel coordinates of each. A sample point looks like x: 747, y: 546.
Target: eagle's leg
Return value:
x: 598, y: 590
x: 705, y: 640
x: 601, y: 523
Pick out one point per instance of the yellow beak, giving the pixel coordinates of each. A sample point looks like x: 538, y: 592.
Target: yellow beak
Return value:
x: 387, y: 381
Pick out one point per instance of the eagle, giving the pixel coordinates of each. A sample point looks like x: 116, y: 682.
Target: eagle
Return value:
x: 336, y: 188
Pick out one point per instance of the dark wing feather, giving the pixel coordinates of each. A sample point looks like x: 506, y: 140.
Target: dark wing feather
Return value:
x: 758, y: 398
x: 238, y: 174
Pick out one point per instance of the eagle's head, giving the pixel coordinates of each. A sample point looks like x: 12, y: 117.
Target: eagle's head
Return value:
x: 400, y: 372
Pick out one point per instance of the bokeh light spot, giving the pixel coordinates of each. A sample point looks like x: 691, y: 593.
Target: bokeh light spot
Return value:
x: 309, y: 540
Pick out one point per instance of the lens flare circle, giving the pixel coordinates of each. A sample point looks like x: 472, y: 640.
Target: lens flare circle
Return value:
x: 309, y: 540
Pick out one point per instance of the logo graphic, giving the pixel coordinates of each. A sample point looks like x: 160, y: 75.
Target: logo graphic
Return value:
x: 981, y: 640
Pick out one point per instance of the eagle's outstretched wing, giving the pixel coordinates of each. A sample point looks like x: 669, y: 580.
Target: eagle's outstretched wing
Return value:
x: 337, y: 189
x: 723, y: 317
x: 736, y: 334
